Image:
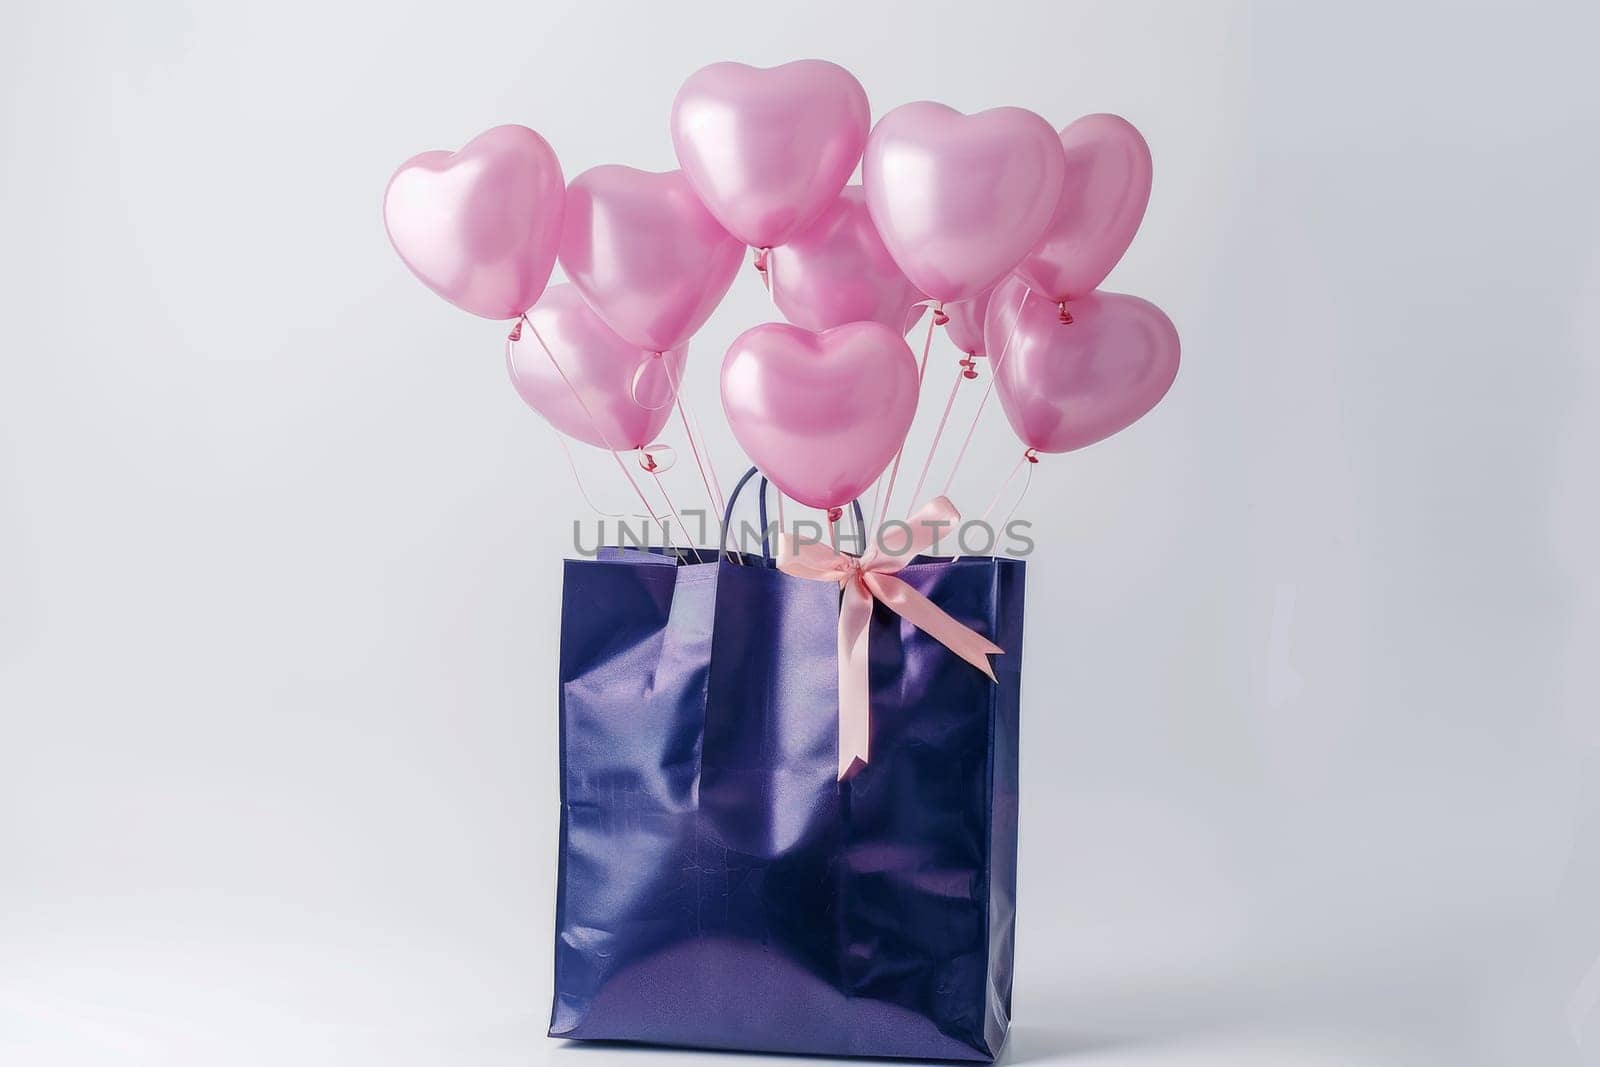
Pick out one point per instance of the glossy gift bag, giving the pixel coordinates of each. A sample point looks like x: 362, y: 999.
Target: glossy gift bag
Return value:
x: 720, y: 886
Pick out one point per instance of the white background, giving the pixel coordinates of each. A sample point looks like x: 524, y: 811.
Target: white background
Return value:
x: 1311, y: 744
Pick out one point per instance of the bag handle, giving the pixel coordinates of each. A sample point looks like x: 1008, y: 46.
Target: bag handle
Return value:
x: 761, y: 510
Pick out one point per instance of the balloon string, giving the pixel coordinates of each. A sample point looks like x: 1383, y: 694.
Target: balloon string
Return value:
x: 572, y: 465
x: 927, y: 343
x: 1026, y: 458
x: 894, y: 471
x: 1030, y: 458
x: 716, y: 483
x: 764, y: 264
x: 700, y: 464
x: 763, y: 259
x: 672, y: 509
x: 994, y: 372
x: 712, y: 486
x: 1027, y: 480
x: 623, y: 467
x: 961, y: 376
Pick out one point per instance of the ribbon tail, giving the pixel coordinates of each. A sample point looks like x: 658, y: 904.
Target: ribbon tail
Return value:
x: 932, y: 620
x: 855, y: 617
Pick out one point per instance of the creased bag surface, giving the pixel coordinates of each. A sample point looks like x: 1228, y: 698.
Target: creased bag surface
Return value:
x: 719, y: 888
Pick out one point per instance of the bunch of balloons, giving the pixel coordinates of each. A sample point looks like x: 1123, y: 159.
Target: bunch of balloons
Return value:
x: 1001, y: 225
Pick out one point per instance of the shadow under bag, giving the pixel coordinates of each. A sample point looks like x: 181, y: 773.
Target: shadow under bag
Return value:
x: 719, y: 887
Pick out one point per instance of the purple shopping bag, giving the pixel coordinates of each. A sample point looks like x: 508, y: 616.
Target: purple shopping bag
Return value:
x: 719, y: 886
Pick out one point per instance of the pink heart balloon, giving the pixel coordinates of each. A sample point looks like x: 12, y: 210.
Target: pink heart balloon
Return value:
x: 646, y: 254
x: 1064, y: 386
x: 821, y: 414
x: 960, y: 199
x: 769, y: 149
x: 480, y: 226
x: 603, y: 370
x: 1103, y: 198
x: 965, y: 327
x: 837, y: 271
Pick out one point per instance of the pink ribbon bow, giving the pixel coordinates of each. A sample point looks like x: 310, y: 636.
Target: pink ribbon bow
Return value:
x: 869, y: 578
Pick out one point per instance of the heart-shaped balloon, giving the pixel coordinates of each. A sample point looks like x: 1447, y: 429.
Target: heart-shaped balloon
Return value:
x: 1067, y: 385
x: 626, y: 393
x: 821, y: 414
x: 480, y: 226
x: 646, y: 253
x: 965, y: 325
x: 1103, y: 198
x: 837, y: 271
x: 769, y: 149
x: 960, y: 199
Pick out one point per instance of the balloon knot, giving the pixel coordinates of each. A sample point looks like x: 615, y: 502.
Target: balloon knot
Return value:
x: 834, y: 514
x: 969, y: 366
x: 1066, y: 316
x: 648, y: 462
x: 516, y: 332
x: 1031, y: 455
x: 939, y: 317
x: 759, y: 258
